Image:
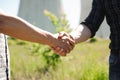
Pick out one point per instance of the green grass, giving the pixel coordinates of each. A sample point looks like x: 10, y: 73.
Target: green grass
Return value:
x: 88, y: 61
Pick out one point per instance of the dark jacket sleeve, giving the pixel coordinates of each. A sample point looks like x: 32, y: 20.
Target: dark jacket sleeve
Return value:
x: 95, y: 17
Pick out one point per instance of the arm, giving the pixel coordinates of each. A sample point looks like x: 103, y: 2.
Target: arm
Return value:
x: 89, y: 27
x: 81, y: 33
x: 19, y: 28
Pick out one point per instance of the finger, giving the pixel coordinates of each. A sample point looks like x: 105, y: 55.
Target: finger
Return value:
x: 68, y: 51
x: 55, y: 50
x: 59, y: 51
x: 56, y: 35
x: 69, y: 43
x: 66, y: 47
x: 70, y: 39
x: 62, y: 34
x: 63, y: 54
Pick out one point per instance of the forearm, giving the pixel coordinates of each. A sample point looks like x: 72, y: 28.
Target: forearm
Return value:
x: 80, y: 34
x: 18, y: 28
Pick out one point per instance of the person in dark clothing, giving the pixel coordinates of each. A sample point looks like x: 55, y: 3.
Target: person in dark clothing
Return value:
x: 88, y: 28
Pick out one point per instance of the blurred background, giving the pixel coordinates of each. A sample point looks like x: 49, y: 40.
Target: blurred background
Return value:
x: 32, y: 61
x: 33, y: 11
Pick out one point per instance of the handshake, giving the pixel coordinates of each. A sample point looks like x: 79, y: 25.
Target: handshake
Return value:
x: 64, y: 43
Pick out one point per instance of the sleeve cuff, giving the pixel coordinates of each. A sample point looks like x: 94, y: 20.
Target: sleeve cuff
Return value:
x: 90, y: 27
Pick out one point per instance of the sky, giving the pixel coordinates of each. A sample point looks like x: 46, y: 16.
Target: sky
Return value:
x: 9, y: 6
x: 12, y: 6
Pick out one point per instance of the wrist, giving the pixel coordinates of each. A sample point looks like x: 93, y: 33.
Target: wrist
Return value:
x: 52, y: 40
x: 74, y: 36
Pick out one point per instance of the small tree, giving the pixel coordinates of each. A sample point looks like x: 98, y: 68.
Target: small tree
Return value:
x: 52, y: 59
x: 60, y: 24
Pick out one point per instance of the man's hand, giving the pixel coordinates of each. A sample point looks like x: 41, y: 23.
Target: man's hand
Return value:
x: 66, y: 40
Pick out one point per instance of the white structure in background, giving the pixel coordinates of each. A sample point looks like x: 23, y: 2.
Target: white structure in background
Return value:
x: 32, y: 11
x: 86, y: 5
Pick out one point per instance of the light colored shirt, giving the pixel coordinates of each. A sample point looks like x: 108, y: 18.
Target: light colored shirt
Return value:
x: 4, y: 58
